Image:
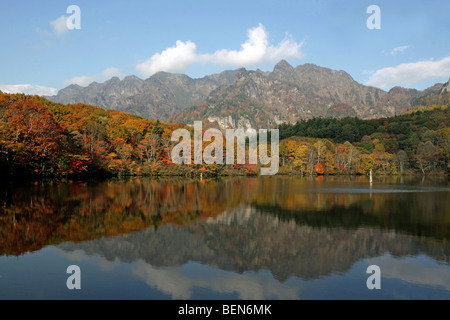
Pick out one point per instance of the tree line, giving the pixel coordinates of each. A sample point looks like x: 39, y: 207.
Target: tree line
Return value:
x: 40, y: 138
x: 416, y: 141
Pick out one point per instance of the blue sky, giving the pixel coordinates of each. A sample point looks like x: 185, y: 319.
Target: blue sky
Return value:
x: 134, y: 37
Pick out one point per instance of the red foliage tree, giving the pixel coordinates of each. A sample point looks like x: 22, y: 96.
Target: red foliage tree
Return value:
x: 320, y: 169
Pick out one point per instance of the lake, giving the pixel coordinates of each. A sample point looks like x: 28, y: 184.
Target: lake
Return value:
x: 264, y: 238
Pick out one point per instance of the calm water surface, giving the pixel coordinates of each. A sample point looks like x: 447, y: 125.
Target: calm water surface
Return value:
x: 237, y: 238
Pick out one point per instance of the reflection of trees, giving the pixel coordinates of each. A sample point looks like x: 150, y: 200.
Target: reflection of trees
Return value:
x: 43, y: 214
x: 389, y: 214
x: 50, y: 213
x: 306, y: 203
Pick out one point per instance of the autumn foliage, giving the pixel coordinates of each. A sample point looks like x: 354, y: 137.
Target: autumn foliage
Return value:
x: 42, y: 138
x: 417, y: 142
x: 320, y: 168
x: 38, y: 137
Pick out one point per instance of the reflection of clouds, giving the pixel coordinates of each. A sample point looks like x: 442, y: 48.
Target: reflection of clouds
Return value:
x: 249, y: 286
x: 179, y: 281
x: 422, y: 271
x: 80, y: 256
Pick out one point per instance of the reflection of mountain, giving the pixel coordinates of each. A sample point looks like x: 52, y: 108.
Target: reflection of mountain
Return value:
x: 166, y: 246
x: 245, y: 239
x: 47, y: 214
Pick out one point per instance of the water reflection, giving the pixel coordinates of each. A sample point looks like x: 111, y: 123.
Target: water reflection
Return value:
x: 45, y: 213
x: 248, y: 236
x: 245, y: 239
x: 420, y: 270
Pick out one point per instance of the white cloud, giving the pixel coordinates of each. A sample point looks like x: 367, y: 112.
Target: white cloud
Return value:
x: 86, y: 80
x: 31, y: 89
x: 180, y: 282
x: 79, y: 255
x: 398, y: 50
x: 174, y: 59
x: 112, y: 72
x: 410, y: 73
x: 395, y: 51
x: 413, y: 270
x: 256, y: 50
x: 177, y: 282
x: 59, y: 25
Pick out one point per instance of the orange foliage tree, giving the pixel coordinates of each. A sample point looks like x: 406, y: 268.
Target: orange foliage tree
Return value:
x: 320, y: 169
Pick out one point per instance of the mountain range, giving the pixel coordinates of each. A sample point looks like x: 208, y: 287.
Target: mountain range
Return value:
x: 246, y: 98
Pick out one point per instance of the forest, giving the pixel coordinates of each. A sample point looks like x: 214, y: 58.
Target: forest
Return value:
x: 40, y: 138
x: 417, y: 141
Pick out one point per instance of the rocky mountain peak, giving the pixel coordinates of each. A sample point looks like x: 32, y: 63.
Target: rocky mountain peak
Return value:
x: 132, y: 78
x: 258, y: 99
x: 112, y: 81
x: 400, y: 90
x: 283, y: 67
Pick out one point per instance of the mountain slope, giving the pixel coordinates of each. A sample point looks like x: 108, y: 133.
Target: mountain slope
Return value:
x: 157, y: 97
x: 266, y: 99
x: 251, y: 98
